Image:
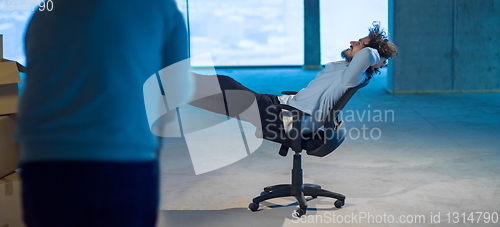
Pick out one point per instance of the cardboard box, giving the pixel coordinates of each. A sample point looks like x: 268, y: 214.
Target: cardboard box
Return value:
x: 9, y: 93
x: 9, y: 77
x: 10, y: 201
x: 9, y: 150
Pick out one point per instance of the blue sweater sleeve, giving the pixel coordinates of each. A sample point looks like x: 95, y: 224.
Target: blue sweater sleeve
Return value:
x: 363, y: 59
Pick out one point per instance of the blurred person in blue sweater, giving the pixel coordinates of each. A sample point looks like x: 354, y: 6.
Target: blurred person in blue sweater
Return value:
x: 88, y: 157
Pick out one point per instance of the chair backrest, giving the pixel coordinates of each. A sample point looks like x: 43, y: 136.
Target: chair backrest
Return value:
x: 344, y: 99
x: 334, y: 131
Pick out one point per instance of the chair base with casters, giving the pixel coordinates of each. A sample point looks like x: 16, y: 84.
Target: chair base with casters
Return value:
x: 297, y: 189
x: 320, y: 145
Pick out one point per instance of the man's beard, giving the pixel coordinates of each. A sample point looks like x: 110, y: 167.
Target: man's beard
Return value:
x: 346, y: 58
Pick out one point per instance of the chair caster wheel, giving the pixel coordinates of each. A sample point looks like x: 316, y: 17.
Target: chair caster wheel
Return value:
x: 253, y: 206
x: 314, y: 196
x: 264, y: 193
x: 339, y: 203
x: 299, y: 212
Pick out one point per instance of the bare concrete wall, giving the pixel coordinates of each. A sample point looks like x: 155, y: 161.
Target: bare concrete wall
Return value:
x: 445, y: 46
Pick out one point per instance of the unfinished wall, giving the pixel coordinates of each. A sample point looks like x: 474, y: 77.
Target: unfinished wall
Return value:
x: 445, y: 46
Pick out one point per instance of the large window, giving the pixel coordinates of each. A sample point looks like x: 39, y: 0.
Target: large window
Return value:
x: 13, y: 22
x: 247, y: 32
x: 345, y: 20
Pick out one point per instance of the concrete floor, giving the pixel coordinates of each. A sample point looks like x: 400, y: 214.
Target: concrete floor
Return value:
x: 440, y: 154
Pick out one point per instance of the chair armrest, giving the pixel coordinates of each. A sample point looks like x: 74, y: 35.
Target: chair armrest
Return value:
x: 289, y: 92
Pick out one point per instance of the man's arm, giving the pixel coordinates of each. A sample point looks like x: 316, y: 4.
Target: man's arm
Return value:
x: 363, y: 59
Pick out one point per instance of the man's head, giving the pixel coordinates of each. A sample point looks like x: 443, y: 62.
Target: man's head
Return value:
x: 356, y: 46
x: 376, y: 39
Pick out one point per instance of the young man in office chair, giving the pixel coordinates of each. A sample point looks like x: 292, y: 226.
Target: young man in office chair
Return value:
x: 363, y: 58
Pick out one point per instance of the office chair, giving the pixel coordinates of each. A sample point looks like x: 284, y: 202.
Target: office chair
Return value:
x: 317, y: 144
